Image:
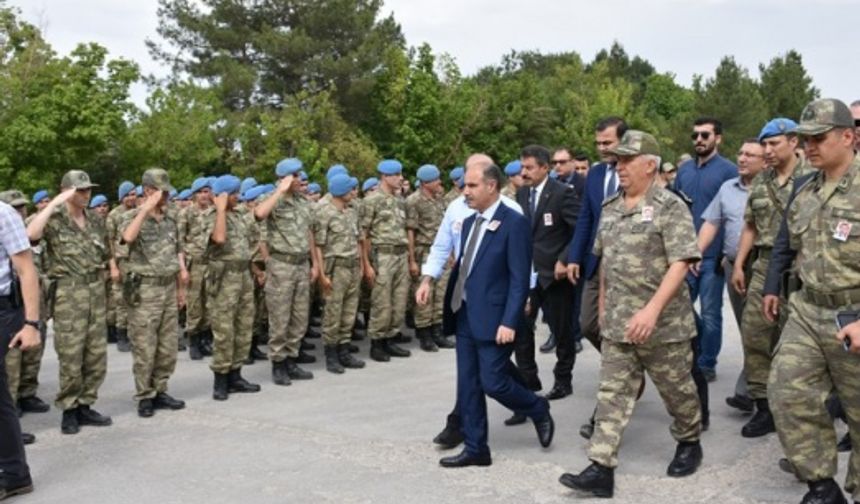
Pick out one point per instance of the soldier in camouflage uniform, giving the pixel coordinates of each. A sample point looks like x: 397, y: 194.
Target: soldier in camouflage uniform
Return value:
x: 384, y: 248
x: 230, y: 289
x: 647, y: 241
x: 150, y: 276
x: 336, y: 237
x: 287, y: 216
x: 424, y: 210
x: 76, y: 252
x: 765, y: 206
x: 117, y: 316
x: 513, y: 171
x: 194, y: 240
x: 456, y: 177
x: 259, y: 256
x: 821, y: 236
x: 369, y: 186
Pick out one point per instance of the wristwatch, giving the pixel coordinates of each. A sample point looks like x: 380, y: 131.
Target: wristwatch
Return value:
x: 34, y: 323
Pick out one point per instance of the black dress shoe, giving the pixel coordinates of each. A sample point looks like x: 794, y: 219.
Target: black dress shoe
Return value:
x: 516, y: 419
x: 145, y: 409
x: 596, y: 480
x: 70, y: 423
x: 844, y: 444
x: 89, y: 416
x: 740, y: 402
x: 163, y: 400
x: 545, y: 428
x: 559, y: 391
x: 27, y: 438
x: 464, y: 459
x: 688, y: 457
x: 33, y: 404
x: 824, y: 491
x: 451, y: 436
x: 586, y: 430
x: 10, y: 487
x: 548, y: 345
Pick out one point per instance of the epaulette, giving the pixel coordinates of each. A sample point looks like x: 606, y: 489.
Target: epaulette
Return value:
x: 681, y: 194
x: 612, y: 198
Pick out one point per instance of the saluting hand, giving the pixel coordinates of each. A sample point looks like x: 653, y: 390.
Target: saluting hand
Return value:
x: 63, y: 197
x: 152, y: 201
x: 221, y: 202
x: 285, y: 184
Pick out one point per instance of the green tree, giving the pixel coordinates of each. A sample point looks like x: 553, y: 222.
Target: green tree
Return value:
x: 786, y: 86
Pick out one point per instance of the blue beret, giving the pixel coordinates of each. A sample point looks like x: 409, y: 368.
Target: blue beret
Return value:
x: 341, y: 184
x: 173, y: 193
x: 457, y: 173
x: 184, y: 195
x: 370, y: 184
x: 288, y: 166
x: 125, y: 188
x: 428, y: 173
x: 314, y: 188
x: 513, y: 168
x: 417, y: 183
x: 247, y: 183
x: 252, y: 193
x: 336, y: 170
x: 777, y: 127
x: 389, y: 167
x: 138, y: 190
x: 266, y: 189
x: 229, y: 184
x: 40, y: 195
x: 201, y: 183
x: 98, y: 199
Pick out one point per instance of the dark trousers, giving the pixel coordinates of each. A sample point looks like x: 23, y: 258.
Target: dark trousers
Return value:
x: 557, y: 302
x: 483, y: 368
x: 12, y: 459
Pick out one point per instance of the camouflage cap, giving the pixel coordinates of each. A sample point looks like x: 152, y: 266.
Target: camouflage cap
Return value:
x: 78, y: 179
x: 821, y: 116
x: 13, y: 197
x: 668, y: 168
x: 157, y: 178
x: 635, y: 142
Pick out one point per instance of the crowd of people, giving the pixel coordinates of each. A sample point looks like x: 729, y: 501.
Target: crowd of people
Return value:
x: 630, y: 254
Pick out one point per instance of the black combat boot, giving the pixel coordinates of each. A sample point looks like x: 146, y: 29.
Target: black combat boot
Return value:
x: 596, y: 479
x: 410, y: 320
x: 377, y: 351
x: 122, y: 342
x: 307, y: 345
x: 347, y: 360
x: 220, y: 390
x: 163, y: 400
x: 393, y: 350
x: 439, y: 338
x: 305, y: 358
x: 89, y: 416
x: 425, y: 338
x: 235, y: 383
x: 295, y: 372
x: 332, y: 362
x: 70, y: 423
x: 824, y: 491
x: 761, y: 422
x: 194, y: 346
x: 451, y: 436
x: 401, y: 338
x: 279, y: 373
x: 33, y: 404
x: 688, y: 458
x: 111, y: 334
x: 206, y: 338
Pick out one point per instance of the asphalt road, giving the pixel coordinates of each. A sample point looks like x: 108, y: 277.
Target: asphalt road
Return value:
x: 364, y: 437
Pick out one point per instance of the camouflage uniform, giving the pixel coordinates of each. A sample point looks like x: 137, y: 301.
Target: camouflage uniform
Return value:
x: 364, y: 290
x: 423, y: 217
x: 765, y: 206
x: 636, y: 255
x: 261, y: 312
x: 384, y: 224
x: 509, y: 191
x: 450, y: 196
x: 76, y: 260
x: 117, y: 311
x: 336, y: 233
x: 808, y: 361
x: 288, y: 275
x: 150, y: 289
x: 194, y: 240
x: 230, y: 292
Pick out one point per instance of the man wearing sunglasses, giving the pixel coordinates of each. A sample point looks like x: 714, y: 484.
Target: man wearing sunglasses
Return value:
x: 700, y: 179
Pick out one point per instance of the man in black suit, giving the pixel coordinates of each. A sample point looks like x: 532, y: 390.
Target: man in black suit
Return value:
x: 552, y: 208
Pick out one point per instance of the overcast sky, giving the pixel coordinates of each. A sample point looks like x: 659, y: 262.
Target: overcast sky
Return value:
x: 685, y: 37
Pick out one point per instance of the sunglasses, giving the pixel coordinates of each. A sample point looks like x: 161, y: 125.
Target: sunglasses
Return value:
x: 560, y: 161
x: 704, y: 134
x: 857, y: 123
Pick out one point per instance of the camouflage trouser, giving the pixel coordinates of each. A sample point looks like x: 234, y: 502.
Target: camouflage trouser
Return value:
x: 342, y: 303
x: 117, y: 314
x: 288, y: 294
x: 196, y: 319
x: 431, y: 313
x: 261, y: 311
x: 22, y: 370
x: 621, y: 369
x: 79, y: 339
x: 364, y: 293
x: 388, y: 299
x: 808, y: 363
x: 230, y: 298
x: 153, y: 331
x: 758, y: 334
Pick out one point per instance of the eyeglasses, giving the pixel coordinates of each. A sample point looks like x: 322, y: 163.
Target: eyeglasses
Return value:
x: 704, y: 134
x: 560, y: 161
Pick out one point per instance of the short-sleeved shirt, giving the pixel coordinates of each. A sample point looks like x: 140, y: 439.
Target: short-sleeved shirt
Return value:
x: 637, y: 247
x: 824, y: 229
x: 155, y: 252
x: 727, y: 212
x: 288, y: 225
x: 13, y: 240
x: 239, y: 237
x: 423, y: 216
x: 767, y: 202
x: 192, y: 231
x: 73, y: 251
x: 336, y: 231
x: 383, y: 219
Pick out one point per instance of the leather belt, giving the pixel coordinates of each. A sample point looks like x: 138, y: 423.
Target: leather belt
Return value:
x: 831, y: 299
x: 158, y: 280
x: 390, y: 249
x: 80, y: 279
x: 290, y: 258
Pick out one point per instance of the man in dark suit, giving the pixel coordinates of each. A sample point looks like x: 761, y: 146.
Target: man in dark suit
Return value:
x: 552, y: 208
x: 483, y: 305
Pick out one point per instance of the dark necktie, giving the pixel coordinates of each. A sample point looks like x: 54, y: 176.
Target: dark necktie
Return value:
x: 612, y: 186
x: 465, y: 266
x: 533, y: 202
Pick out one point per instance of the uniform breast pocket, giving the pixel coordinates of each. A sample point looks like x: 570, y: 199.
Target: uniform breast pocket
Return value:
x: 798, y: 228
x: 844, y: 228
x: 761, y: 211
